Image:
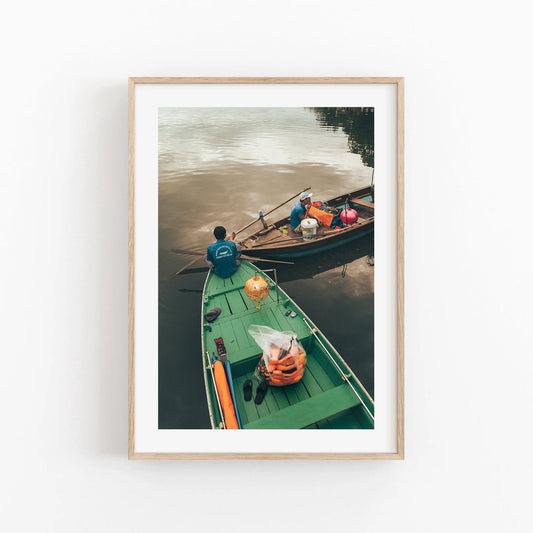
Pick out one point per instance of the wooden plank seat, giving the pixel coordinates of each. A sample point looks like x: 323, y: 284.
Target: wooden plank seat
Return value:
x: 362, y: 202
x: 310, y: 411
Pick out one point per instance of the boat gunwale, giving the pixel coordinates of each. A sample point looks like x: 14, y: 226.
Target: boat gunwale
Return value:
x: 323, y: 238
x: 207, y: 394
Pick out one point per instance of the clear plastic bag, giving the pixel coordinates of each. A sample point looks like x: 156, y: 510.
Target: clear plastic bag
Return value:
x: 284, y: 359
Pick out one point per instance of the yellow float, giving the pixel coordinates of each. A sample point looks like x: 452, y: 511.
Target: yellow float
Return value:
x: 257, y: 289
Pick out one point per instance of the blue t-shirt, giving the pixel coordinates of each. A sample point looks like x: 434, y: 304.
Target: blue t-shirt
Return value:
x: 297, y: 211
x: 223, y: 253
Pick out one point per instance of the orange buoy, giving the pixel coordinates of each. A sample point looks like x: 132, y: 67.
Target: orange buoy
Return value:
x: 257, y: 289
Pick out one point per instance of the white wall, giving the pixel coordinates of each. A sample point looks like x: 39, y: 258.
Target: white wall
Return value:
x: 63, y: 214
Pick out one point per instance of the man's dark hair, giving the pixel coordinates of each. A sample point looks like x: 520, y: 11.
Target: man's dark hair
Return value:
x: 220, y: 232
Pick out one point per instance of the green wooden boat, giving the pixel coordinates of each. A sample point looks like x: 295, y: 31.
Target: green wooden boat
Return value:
x: 329, y: 395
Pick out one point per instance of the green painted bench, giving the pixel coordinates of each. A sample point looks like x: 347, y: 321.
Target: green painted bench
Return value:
x: 309, y: 411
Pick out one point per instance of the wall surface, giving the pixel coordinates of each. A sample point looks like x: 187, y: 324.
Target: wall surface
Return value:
x: 63, y: 273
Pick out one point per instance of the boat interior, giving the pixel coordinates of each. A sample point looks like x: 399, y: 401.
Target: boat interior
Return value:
x: 322, y: 399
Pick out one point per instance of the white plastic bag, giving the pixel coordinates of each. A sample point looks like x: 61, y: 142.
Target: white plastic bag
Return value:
x: 284, y: 358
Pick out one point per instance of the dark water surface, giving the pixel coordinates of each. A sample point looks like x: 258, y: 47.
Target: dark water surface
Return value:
x: 220, y: 166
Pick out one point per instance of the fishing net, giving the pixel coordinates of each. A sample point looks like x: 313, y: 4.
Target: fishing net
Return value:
x: 284, y: 359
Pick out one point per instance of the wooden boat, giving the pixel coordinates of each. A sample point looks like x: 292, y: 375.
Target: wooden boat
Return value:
x: 276, y: 244
x: 329, y: 395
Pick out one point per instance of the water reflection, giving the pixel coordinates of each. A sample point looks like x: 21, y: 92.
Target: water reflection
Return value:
x: 196, y: 140
x: 357, y: 123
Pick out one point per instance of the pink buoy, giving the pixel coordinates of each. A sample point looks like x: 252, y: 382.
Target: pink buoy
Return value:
x: 349, y: 216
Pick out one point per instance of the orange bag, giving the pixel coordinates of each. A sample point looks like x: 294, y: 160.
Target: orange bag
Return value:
x: 284, y: 359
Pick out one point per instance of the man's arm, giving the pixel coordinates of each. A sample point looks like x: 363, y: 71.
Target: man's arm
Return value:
x: 238, y: 246
x: 307, y: 215
x: 238, y: 250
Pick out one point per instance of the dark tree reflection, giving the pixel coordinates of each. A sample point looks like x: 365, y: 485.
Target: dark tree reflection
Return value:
x: 356, y: 122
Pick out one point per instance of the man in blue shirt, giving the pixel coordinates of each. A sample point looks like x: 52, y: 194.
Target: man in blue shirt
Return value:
x: 223, y: 256
x: 299, y: 211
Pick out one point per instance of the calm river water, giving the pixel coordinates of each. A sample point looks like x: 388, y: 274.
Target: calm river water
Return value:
x: 220, y: 166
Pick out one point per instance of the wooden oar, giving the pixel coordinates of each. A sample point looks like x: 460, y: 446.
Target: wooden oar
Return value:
x: 277, y: 238
x: 266, y: 260
x: 273, y: 209
x: 202, y: 256
x: 330, y: 231
x: 248, y: 258
x: 195, y: 260
x: 260, y: 245
x: 186, y: 252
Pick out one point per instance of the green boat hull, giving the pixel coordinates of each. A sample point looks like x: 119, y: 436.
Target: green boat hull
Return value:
x: 329, y: 395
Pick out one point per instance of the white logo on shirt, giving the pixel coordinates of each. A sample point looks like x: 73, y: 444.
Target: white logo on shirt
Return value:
x: 223, y: 251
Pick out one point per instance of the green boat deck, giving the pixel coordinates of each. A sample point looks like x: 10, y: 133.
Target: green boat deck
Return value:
x: 321, y: 400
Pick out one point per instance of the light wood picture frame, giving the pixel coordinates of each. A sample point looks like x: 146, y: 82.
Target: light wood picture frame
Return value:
x: 147, y: 440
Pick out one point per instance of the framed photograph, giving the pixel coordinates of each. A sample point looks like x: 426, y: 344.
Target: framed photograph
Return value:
x: 266, y: 268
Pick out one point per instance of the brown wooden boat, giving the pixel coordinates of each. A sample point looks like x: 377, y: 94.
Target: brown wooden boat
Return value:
x: 274, y: 242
